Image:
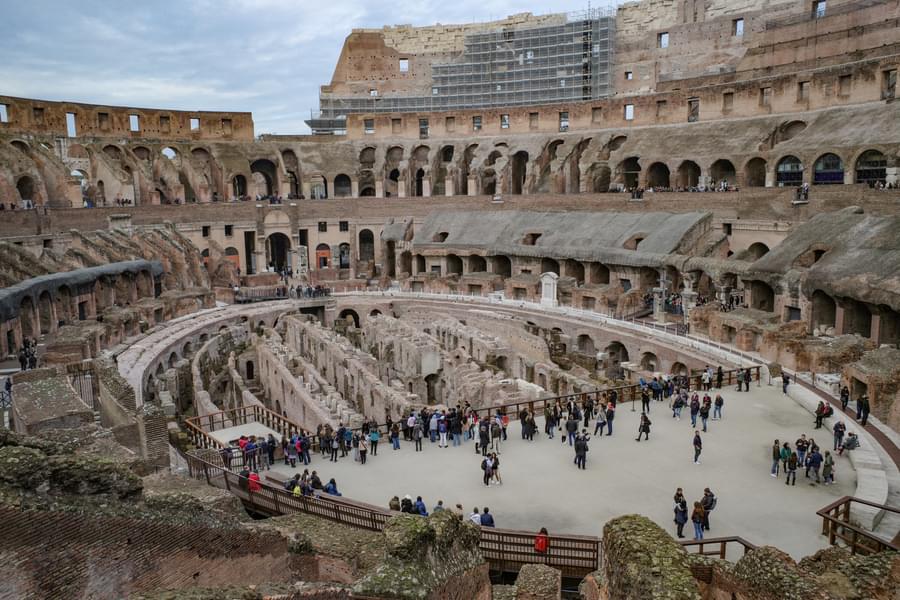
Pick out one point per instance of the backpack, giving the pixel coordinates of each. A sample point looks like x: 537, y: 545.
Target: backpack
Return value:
x: 712, y: 505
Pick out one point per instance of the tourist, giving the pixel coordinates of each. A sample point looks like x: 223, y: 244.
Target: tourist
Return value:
x: 802, y: 446
x: 475, y: 516
x: 484, y: 437
x: 226, y: 457
x: 838, y: 430
x: 290, y: 484
x: 335, y: 445
x: 708, y: 502
x: 739, y: 376
x: 776, y: 457
x: 331, y: 488
x: 549, y: 420
x: 496, y: 433
x: 394, y: 504
x: 845, y: 398
x: 791, y: 469
x: 250, y: 453
x: 644, y: 427
x: 581, y: 450
x: 677, y: 405
x: 697, y: 520
x: 645, y: 399
x: 542, y: 541
x: 253, y: 483
x: 395, y: 436
x: 458, y: 510
x: 487, y: 519
x: 417, y: 435
x: 443, y: 429
x: 456, y: 427
x: 695, y: 409
x: 610, y: 413
x: 495, y: 469
x: 291, y: 455
x: 271, y: 444
x: 864, y: 400
x: 698, y: 447
x: 420, y: 507
x: 363, y: 450
x: 354, y: 443
x: 717, y: 407
x: 785, y: 455
x: 601, y: 420
x: 785, y: 380
x: 814, y: 461
x: 704, y: 413
x: 374, y: 436
x: 530, y: 428
x: 571, y: 430
x: 720, y: 375
x: 828, y: 468
x: 820, y: 414
x: 433, y: 427
x: 486, y: 466
x: 681, y: 512
x: 439, y: 507
x: 406, y: 505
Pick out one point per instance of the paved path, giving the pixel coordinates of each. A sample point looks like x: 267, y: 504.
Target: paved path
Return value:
x: 542, y: 488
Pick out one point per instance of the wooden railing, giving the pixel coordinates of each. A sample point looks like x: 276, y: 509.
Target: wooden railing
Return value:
x: 505, y: 550
x: 717, y: 546
x: 199, y: 428
x: 837, y: 525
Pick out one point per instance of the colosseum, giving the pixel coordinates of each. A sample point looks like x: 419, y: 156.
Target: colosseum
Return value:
x: 520, y: 240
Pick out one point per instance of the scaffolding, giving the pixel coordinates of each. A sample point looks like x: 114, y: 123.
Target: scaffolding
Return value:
x: 508, y: 66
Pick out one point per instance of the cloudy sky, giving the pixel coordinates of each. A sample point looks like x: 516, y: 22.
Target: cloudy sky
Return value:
x: 264, y: 56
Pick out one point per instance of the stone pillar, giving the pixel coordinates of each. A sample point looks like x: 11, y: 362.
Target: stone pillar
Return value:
x: 659, y: 304
x: 426, y: 187
x: 838, y: 319
x: 770, y: 177
x: 401, y: 188
x: 354, y: 188
x: 306, y: 189
x: 548, y: 288
x: 379, y: 188
x: 449, y: 187
x: 848, y: 175
x: 473, y: 186
x: 891, y: 175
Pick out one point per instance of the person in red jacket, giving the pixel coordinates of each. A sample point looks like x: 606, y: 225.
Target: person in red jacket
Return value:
x: 254, y: 483
x: 542, y: 541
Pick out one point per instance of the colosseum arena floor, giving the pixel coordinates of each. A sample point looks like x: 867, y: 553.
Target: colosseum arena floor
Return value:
x: 542, y: 487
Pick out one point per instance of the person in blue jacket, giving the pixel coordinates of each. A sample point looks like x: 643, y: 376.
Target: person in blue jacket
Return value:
x: 487, y: 519
x: 420, y: 507
x: 331, y: 488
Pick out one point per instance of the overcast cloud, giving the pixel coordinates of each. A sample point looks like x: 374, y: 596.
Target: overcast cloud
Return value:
x: 264, y: 56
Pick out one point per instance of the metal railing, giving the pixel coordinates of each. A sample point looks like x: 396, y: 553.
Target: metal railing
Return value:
x: 838, y: 525
x: 504, y: 549
x: 717, y: 546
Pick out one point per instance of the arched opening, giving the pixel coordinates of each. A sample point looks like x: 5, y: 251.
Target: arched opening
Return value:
x: 367, y: 158
x: 679, y: 369
x: 344, y: 256
x: 489, y: 182
x: 392, y: 185
x: 871, y: 168
x: 265, y: 168
x: 113, y: 152
x: 762, y: 296
x: 857, y: 318
x: 518, y: 172
x: 318, y: 187
x: 574, y: 269
x: 45, y: 311
x: 616, y: 353
x: 549, y: 265
x: 824, y: 310
x: 277, y: 248
x: 419, y: 263
x: 757, y: 250
x: 586, y: 345
x: 502, y: 265
x: 239, y: 186
x: 454, y: 265
x: 406, y: 262
x: 688, y: 174
x: 101, y: 193
x: 173, y: 358
x: 629, y: 171
x: 828, y: 170
x: 789, y: 172
x: 658, y: 175
x: 599, y: 273
x: 390, y: 258
x: 233, y: 256
x: 431, y: 383
x: 323, y: 256
x: 420, y: 183
x: 25, y: 187
x: 141, y: 152
x: 755, y: 173
x: 477, y: 264
x: 343, y: 188
x: 169, y: 153
x: 350, y: 316
x: 374, y: 312
x: 366, y: 245
x: 723, y: 174
x: 447, y: 154
x: 649, y: 362
x: 367, y: 192
x: 602, y: 177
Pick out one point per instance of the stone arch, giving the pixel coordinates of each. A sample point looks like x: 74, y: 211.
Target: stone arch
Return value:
x: 871, y: 168
x: 113, y: 151
x: 419, y: 263
x: 628, y: 172
x: 344, y: 256
x: 502, y: 265
x: 649, y: 362
x: 343, y: 187
x: 170, y: 153
x: 366, y: 245
x: 26, y: 188
x: 318, y: 187
x: 518, y: 171
x: 20, y: 146
x: 616, y: 353
x: 857, y: 318
x: 789, y: 171
x: 367, y: 157
x: 323, y: 256
x: 586, y: 345
x: 828, y: 169
x: 419, y: 184
x: 762, y: 296
x: 140, y: 152
x: 477, y: 264
x: 549, y: 265
x: 679, y: 369
x: 348, y: 315
x: 454, y: 265
x: 790, y: 130
x: 723, y: 171
x: 658, y: 175
x: 173, y: 358
x: 601, y: 179
x: 278, y: 248
x: 406, y: 262
x: 269, y: 172
x: 575, y: 269
x: 757, y: 250
x: 824, y: 310
x: 755, y: 172
x: 688, y: 174
x: 239, y: 186
x: 599, y: 273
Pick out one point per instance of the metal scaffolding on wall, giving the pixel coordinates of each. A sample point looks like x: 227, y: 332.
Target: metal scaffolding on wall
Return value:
x: 508, y: 66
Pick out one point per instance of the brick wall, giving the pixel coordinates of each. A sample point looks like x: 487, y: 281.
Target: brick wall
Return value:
x: 53, y: 555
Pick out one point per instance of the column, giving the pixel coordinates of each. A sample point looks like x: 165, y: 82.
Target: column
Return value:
x: 426, y: 187
x: 354, y: 188
x: 379, y: 188
x: 473, y: 186
x: 401, y: 188
x: 449, y: 186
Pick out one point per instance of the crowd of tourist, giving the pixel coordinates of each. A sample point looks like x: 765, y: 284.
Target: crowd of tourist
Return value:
x: 27, y: 355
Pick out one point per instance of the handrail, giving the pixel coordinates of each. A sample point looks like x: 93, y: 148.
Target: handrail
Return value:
x: 837, y: 525
x: 721, y: 542
x: 504, y: 549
